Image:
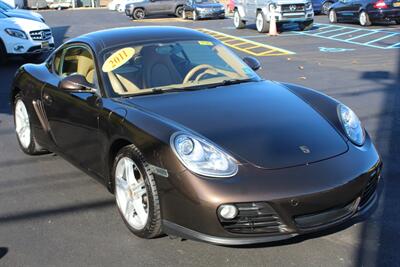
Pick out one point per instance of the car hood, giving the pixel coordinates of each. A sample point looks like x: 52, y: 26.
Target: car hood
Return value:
x: 23, y: 14
x: 262, y: 123
x: 26, y: 25
x: 209, y: 5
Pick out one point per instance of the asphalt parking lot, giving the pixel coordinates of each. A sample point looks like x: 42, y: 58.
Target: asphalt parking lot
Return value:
x: 52, y: 214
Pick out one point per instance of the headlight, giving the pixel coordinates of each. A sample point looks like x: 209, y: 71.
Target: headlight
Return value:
x: 201, y: 157
x: 16, y: 33
x: 272, y: 7
x: 309, y: 5
x: 351, y: 125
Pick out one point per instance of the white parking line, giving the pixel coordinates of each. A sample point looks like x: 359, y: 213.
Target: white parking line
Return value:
x: 379, y: 39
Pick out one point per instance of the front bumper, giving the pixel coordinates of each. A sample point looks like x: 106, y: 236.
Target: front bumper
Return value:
x: 288, y: 202
x: 177, y: 230
x: 384, y: 14
x: 294, y: 16
x: 17, y: 46
x: 211, y: 14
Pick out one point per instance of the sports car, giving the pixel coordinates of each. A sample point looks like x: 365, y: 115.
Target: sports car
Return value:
x: 192, y: 142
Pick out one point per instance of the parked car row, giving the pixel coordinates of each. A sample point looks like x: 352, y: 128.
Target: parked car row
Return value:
x: 186, y: 9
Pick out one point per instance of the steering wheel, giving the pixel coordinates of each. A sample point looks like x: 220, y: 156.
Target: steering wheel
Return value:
x: 208, y: 69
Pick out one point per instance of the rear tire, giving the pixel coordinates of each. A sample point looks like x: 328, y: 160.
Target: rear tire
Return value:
x: 262, y: 24
x: 306, y: 25
x: 23, y: 128
x: 194, y: 15
x: 364, y: 19
x: 136, y: 194
x: 332, y: 16
x: 138, y: 14
x: 237, y: 20
x: 179, y: 11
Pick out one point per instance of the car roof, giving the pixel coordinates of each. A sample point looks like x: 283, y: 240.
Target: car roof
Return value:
x: 117, y: 36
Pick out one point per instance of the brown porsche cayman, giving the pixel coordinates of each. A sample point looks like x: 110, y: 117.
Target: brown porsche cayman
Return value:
x: 191, y: 141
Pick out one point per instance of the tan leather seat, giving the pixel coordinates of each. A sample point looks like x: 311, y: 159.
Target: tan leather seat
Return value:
x: 86, y: 67
x: 121, y: 85
x: 158, y: 69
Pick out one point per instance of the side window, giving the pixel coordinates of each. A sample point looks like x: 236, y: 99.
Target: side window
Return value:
x: 78, y: 60
x: 56, y: 61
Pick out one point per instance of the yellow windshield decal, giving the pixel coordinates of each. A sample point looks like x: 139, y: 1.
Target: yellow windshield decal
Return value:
x: 118, y: 59
x: 206, y: 43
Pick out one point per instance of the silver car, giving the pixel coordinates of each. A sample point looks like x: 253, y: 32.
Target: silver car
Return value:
x: 284, y: 11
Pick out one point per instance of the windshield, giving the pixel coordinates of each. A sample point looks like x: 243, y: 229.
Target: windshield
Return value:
x: 139, y: 69
x: 5, y: 6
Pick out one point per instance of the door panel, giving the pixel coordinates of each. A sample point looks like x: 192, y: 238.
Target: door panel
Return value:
x: 73, y: 116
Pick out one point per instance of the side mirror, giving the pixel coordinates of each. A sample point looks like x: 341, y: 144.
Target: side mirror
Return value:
x: 252, y: 62
x: 76, y: 83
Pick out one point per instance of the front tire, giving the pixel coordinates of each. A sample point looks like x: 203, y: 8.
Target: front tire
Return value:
x: 262, y: 24
x: 237, y: 20
x: 23, y: 128
x: 184, y: 14
x: 332, y: 16
x: 136, y: 193
x: 364, y: 19
x: 138, y: 14
x: 194, y: 15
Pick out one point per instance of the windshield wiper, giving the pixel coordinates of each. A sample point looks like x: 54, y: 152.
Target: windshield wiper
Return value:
x: 230, y: 82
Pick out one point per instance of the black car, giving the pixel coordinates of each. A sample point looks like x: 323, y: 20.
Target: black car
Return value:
x: 199, y: 9
x: 365, y: 12
x: 192, y: 142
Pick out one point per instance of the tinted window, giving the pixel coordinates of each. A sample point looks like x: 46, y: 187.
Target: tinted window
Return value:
x: 57, y: 61
x: 78, y: 60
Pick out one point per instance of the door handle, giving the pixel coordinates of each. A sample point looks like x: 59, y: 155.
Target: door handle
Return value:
x: 47, y: 99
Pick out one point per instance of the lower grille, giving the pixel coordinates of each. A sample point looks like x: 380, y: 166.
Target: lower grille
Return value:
x: 255, y: 218
x: 326, y: 217
x: 371, y: 186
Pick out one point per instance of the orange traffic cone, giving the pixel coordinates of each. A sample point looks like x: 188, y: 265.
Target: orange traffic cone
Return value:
x: 273, y: 31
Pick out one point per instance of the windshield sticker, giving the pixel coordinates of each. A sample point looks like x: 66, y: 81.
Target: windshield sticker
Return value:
x: 118, y: 59
x: 206, y: 43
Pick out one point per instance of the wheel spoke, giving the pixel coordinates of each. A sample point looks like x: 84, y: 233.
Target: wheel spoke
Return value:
x: 139, y: 208
x: 129, y: 209
x: 122, y: 184
x: 129, y: 173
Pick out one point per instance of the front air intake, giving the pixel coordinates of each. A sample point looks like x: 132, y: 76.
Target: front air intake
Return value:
x: 254, y: 218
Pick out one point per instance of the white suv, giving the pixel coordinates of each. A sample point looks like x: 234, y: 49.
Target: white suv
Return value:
x: 23, y: 37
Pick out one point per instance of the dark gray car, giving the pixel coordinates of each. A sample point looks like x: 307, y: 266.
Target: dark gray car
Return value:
x: 140, y: 9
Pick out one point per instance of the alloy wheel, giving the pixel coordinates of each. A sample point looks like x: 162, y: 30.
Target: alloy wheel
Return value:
x: 22, y: 124
x: 131, y: 193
